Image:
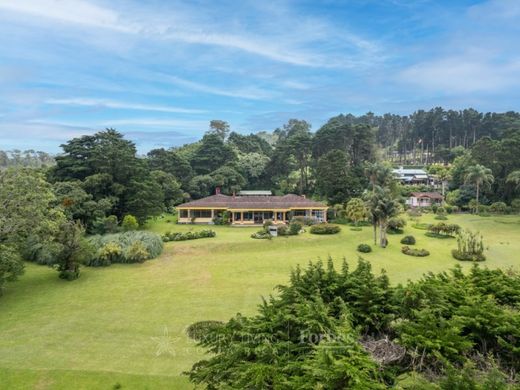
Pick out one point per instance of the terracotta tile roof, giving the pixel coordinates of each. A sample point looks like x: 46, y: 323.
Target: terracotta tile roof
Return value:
x: 431, y: 195
x: 253, y: 202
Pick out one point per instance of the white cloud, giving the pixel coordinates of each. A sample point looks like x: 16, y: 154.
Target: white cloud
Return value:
x: 122, y: 105
x: 252, y: 93
x: 68, y: 11
x: 153, y: 122
x: 463, y: 75
x: 282, y: 45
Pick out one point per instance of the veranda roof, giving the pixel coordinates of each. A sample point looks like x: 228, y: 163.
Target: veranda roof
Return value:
x: 253, y: 202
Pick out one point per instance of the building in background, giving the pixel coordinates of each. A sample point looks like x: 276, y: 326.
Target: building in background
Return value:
x: 424, y: 199
x: 413, y: 176
x: 251, y: 208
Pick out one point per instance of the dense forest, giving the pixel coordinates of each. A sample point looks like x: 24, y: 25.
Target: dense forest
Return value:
x: 106, y: 171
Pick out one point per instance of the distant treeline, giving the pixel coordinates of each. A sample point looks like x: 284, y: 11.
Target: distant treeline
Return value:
x: 428, y: 136
x: 26, y: 158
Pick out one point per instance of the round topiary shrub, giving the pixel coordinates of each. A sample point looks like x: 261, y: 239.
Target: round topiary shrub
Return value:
x: 325, y: 228
x: 415, y: 252
x: 408, y: 240
x: 364, y: 248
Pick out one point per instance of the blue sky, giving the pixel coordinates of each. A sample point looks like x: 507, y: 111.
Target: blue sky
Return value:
x: 160, y: 70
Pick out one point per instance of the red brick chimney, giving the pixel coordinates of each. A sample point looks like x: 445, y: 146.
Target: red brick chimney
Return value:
x: 217, y: 191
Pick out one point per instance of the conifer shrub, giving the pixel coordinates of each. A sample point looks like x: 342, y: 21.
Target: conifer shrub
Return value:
x: 415, y: 251
x: 191, y: 235
x: 325, y: 228
x: 364, y: 248
x: 408, y: 240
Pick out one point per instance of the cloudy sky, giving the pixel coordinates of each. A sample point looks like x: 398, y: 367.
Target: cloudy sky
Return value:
x: 159, y: 70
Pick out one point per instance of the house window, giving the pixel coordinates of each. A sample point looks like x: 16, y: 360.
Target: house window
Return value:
x: 318, y: 214
x: 248, y: 216
x: 238, y: 217
x: 201, y: 213
x: 299, y: 213
x: 183, y: 213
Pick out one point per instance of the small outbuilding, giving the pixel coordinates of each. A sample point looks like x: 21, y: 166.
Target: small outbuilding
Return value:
x: 424, y: 199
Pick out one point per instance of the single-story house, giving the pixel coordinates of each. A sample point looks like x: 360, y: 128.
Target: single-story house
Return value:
x: 424, y: 199
x: 251, y: 209
x: 412, y: 176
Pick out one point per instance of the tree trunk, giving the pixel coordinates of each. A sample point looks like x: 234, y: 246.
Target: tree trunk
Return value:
x: 478, y: 190
x: 375, y: 232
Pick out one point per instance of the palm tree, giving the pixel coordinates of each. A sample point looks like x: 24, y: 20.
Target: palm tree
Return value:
x: 514, y: 178
x: 444, y: 175
x: 387, y: 208
x: 379, y: 175
x: 371, y: 202
x: 480, y: 176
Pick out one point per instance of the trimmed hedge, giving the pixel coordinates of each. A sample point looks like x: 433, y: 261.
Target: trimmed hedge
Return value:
x: 325, y: 228
x: 192, y: 235
x: 408, y: 240
x: 414, y: 251
x: 364, y: 248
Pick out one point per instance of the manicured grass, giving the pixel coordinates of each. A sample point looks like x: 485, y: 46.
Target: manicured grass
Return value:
x: 102, y: 329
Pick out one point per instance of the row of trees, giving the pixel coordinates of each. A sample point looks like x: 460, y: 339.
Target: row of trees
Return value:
x: 434, y: 135
x: 25, y: 158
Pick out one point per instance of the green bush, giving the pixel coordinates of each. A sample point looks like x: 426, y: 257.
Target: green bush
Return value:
x: 325, y: 228
x: 129, y: 223
x: 225, y: 219
x: 441, y: 217
x: 498, y: 207
x: 282, y: 230
x: 414, y: 251
x: 262, y: 235
x: 443, y: 230
x: 127, y: 247
x: 408, y: 240
x: 364, y: 248
x: 396, y: 225
x: 191, y: 235
x: 515, y: 205
x: 305, y: 221
x: 294, y: 228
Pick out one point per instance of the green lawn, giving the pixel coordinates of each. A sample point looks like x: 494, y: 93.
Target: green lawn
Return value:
x: 105, y: 327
